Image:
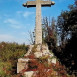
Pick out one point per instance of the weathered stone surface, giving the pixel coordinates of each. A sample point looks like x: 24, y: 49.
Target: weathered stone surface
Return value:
x: 53, y: 60
x: 43, y: 3
x: 20, y: 66
x: 39, y: 48
x: 38, y: 29
x: 38, y: 4
x: 28, y: 73
x: 22, y: 60
x: 22, y: 63
x: 42, y: 51
x: 38, y: 54
x: 30, y: 50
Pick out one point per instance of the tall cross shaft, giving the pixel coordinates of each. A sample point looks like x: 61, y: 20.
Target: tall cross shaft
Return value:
x: 38, y: 4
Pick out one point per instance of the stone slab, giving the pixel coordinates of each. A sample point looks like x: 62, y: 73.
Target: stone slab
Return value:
x: 20, y: 66
x: 28, y: 74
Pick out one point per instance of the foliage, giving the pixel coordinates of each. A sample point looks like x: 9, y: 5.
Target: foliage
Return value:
x: 43, y: 69
x: 4, y: 69
x: 67, y: 23
x: 67, y: 32
x: 9, y: 54
x: 49, y: 32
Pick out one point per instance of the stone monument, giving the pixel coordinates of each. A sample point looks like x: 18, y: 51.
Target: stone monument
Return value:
x: 38, y: 4
x: 41, y: 50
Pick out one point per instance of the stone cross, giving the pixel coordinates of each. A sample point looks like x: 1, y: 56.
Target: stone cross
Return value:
x: 38, y: 4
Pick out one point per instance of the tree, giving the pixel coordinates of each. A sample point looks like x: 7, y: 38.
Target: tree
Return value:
x: 49, y: 32
x: 67, y: 29
x: 32, y: 37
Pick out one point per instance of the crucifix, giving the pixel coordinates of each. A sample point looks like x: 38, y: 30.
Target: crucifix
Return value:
x: 38, y: 4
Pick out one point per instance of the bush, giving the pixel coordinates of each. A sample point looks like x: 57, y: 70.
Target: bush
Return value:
x: 9, y: 54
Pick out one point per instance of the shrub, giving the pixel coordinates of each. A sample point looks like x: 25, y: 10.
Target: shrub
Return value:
x: 9, y: 54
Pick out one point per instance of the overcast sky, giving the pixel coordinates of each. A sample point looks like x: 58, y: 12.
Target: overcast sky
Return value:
x: 16, y: 21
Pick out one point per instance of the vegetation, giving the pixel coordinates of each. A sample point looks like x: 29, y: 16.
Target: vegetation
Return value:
x: 9, y: 54
x: 49, y: 32
x: 67, y: 32
x: 43, y: 69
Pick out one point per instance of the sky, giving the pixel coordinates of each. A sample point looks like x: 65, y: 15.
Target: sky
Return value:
x: 17, y: 21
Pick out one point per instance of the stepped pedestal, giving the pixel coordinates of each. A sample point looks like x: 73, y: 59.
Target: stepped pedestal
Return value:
x: 24, y: 64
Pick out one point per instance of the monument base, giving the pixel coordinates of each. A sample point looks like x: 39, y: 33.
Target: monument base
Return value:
x: 29, y: 64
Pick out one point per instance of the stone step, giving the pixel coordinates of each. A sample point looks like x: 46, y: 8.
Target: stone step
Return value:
x: 28, y: 73
x: 24, y: 63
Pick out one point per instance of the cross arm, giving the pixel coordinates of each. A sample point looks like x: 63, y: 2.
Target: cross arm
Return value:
x: 43, y: 3
x: 47, y: 3
x: 30, y: 4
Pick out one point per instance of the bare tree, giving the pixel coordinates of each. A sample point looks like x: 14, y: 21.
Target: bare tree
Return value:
x: 31, y: 35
